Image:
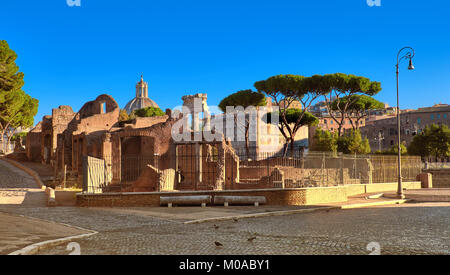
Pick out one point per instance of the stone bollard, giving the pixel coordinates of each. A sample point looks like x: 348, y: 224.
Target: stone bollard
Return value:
x: 426, y: 180
x: 51, y: 196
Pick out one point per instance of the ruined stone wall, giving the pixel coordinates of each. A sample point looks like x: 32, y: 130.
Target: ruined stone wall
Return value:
x: 33, y: 143
x: 143, y: 122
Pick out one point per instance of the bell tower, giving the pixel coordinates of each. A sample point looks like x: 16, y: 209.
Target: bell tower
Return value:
x: 142, y: 88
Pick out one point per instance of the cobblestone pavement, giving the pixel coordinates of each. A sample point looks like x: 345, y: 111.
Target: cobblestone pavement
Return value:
x: 18, y: 188
x: 399, y: 229
x: 13, y: 177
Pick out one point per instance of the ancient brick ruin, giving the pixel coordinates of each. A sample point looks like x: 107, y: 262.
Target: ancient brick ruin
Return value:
x: 141, y: 155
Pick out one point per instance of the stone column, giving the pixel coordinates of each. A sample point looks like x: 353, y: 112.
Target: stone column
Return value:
x: 220, y: 177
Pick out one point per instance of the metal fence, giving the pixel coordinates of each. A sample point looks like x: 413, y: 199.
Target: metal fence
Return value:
x: 6, y: 147
x: 321, y: 169
x: 435, y: 165
x: 96, y: 175
x: 198, y: 169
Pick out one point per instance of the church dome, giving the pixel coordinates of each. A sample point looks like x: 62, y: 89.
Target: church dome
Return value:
x: 141, y: 100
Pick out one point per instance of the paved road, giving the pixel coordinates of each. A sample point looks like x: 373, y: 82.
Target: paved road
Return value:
x: 400, y: 229
x: 16, y: 232
x: 18, y: 190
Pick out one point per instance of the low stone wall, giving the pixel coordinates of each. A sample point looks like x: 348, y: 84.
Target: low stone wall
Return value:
x: 300, y: 196
x: 356, y: 189
x: 287, y: 196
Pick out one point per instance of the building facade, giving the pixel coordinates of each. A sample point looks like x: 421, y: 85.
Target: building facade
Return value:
x: 383, y: 134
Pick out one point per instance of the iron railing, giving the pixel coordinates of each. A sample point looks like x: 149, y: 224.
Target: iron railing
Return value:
x: 198, y: 169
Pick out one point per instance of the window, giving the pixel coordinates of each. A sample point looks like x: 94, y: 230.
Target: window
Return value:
x: 445, y: 115
x: 103, y: 108
x: 418, y: 120
x: 432, y: 117
x: 392, y: 142
x: 331, y: 122
x: 438, y: 116
x: 325, y: 121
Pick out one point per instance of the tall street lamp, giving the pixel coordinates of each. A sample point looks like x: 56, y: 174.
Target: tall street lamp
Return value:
x: 408, y: 54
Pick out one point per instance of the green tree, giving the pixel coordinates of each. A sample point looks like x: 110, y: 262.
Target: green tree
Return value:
x: 419, y: 146
x: 149, y: 112
x: 433, y: 141
x: 349, y: 143
x: 324, y: 141
x: 284, y: 90
x: 292, y: 116
x: 394, y: 150
x: 352, y: 143
x: 123, y: 115
x: 244, y: 98
x: 339, y: 90
x: 358, y: 107
x: 17, y: 109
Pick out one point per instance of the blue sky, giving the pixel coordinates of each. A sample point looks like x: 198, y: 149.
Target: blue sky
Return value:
x: 70, y: 55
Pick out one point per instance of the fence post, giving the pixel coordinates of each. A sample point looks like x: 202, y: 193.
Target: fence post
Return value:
x: 85, y: 173
x: 64, y: 176
x: 342, y: 169
x: 323, y: 171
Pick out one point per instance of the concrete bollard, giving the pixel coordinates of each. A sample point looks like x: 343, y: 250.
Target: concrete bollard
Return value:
x: 169, y: 205
x: 426, y: 180
x: 203, y: 204
x: 256, y: 204
x: 51, y: 196
x: 225, y: 204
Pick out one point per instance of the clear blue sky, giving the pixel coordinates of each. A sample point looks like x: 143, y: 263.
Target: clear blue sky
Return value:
x: 72, y: 54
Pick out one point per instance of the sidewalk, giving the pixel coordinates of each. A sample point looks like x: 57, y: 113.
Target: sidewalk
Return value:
x: 425, y: 195
x: 17, y: 232
x: 197, y: 214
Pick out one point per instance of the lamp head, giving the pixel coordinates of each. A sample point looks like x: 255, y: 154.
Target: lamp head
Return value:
x: 411, y: 66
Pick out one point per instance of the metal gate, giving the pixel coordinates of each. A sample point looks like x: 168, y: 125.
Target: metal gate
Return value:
x: 196, y: 166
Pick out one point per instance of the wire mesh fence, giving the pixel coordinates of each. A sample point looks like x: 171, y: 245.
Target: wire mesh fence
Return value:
x: 436, y: 165
x: 6, y: 147
x: 196, y: 167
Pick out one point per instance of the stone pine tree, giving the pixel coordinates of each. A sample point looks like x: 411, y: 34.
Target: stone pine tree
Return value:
x: 292, y: 115
x: 284, y: 90
x: 244, y: 98
x: 358, y: 107
x: 339, y: 91
x: 17, y: 109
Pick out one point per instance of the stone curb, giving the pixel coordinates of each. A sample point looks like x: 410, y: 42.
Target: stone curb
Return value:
x: 265, y: 214
x: 27, y: 170
x: 429, y: 198
x: 298, y: 211
x: 361, y: 205
x: 36, y: 247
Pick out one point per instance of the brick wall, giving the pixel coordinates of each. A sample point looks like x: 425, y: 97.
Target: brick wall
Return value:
x: 292, y: 196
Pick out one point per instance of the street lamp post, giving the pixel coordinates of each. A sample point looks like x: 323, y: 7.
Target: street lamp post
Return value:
x: 409, y: 54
